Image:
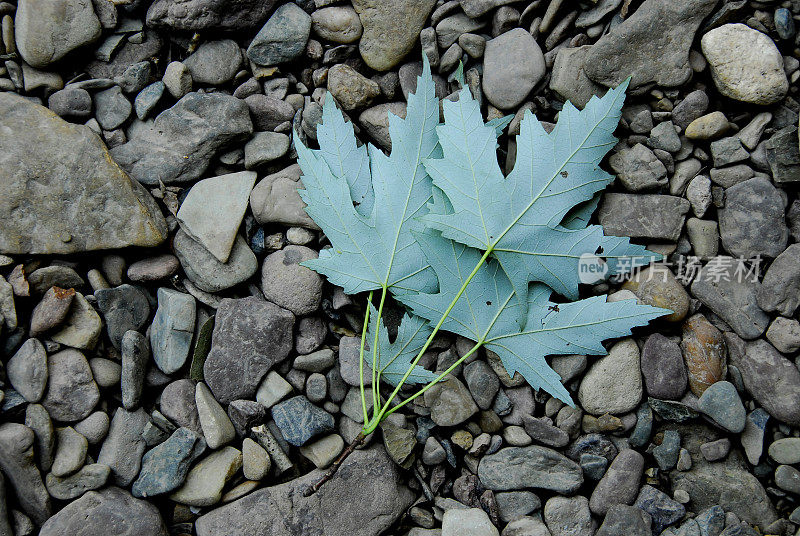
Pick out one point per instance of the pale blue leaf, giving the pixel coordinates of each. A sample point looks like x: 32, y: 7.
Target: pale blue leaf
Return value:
x: 394, y: 358
x: 519, y: 217
x: 373, y: 249
x: 487, y: 313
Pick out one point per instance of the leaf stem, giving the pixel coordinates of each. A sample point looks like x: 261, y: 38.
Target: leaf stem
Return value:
x: 422, y: 391
x: 376, y: 420
x: 361, y: 358
x: 375, y: 374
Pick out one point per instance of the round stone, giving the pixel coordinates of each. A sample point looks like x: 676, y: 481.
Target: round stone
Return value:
x: 513, y: 64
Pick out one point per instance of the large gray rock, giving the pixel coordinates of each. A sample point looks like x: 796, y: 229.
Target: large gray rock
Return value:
x: 111, y: 512
x: 206, y: 271
x: 164, y: 468
x: 643, y: 216
x: 47, y: 30
x: 183, y: 139
x: 515, y: 468
x: 123, y: 448
x: 752, y: 222
x: 285, y: 282
x: 780, y: 288
x: 27, y: 370
x: 275, y: 199
x: 66, y: 195
x: 569, y: 79
x: 384, y: 42
x: 745, y: 64
x: 726, y: 483
x: 196, y: 15
x: 513, y: 64
x: 368, y: 478
x: 652, y: 45
x: 172, y: 329
x: 71, y: 390
x: 17, y: 464
x: 251, y: 335
x: 770, y: 378
x: 731, y: 296
x: 283, y: 38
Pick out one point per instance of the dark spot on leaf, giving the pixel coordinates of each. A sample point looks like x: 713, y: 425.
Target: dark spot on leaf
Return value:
x: 488, y: 302
x: 553, y: 308
x: 599, y: 250
x: 564, y: 174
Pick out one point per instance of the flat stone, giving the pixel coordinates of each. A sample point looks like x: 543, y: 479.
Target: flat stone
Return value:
x: 288, y: 284
x: 785, y: 450
x: 752, y: 221
x: 275, y: 199
x: 643, y: 216
x: 652, y: 45
x: 213, y: 210
x: 272, y: 390
x: 75, y: 176
x: 183, y: 139
x: 663, y: 368
x: 283, y: 38
x: 172, y: 329
x: 217, y: 426
x: 708, y: 127
x: 731, y: 297
x: 662, y: 509
x: 375, y: 121
x: 515, y: 504
x: 148, y: 98
x: 214, y: 62
x: 620, y: 484
x: 91, y: 514
x: 324, y: 451
x: 515, y: 468
x: 250, y: 336
x: 51, y: 311
x: 384, y: 43
x: 204, y: 483
x: 668, y: 452
x: 124, y: 308
x: 164, y: 468
x: 38, y: 420
x: 783, y: 155
x: 71, y: 390
x: 205, y: 270
x: 255, y: 460
x: 613, y: 384
x: 27, y: 370
x: 473, y: 521
x: 721, y: 402
x: 299, y: 420
x: 177, y: 79
x: 350, y: 88
x: 123, y: 448
x: 153, y: 268
x: 24, y: 479
x: 265, y: 147
x: 450, y: 402
x: 178, y: 404
x: 704, y: 352
x: 245, y: 414
x: 367, y: 477
x: 338, y: 24
x: 449, y: 29
x: 111, y: 108
x: 71, y: 449
x: 513, y: 64
x: 784, y: 334
x: 81, y: 328
x: 656, y: 285
x: 135, y: 350
x: 771, y: 379
x: 780, y: 288
x: 46, y: 31
x: 568, y: 78
x: 745, y: 64
x: 215, y: 15
x: 627, y: 520
x: 568, y: 516
x: 89, y: 477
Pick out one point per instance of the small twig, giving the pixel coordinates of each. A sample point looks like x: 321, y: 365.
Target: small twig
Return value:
x: 311, y: 490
